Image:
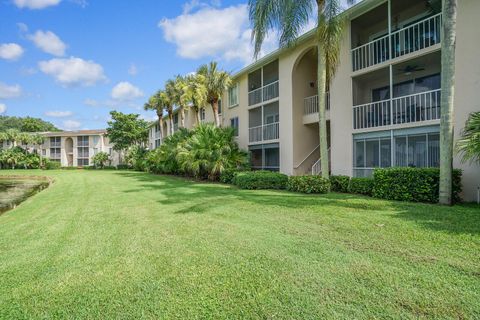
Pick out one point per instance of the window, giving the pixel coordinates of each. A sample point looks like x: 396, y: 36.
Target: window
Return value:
x: 233, y: 96
x: 234, y: 125
x: 265, y: 157
x: 55, y: 142
x: 96, y: 139
x: 82, y: 162
x: 418, y: 85
x: 82, y: 141
x: 202, y: 114
x: 410, y: 149
x: 55, y: 148
x: 82, y: 151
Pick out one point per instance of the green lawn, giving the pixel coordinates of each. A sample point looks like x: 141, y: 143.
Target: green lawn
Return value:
x: 131, y: 245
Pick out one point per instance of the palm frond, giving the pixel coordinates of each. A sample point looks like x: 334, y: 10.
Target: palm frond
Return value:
x: 469, y: 143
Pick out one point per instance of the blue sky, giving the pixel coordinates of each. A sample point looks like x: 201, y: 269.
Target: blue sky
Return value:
x: 72, y: 61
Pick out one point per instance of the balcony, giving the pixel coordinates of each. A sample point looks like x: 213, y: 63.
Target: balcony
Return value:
x: 264, y: 133
x: 412, y: 38
x: 265, y: 93
x: 415, y: 108
x: 310, y: 104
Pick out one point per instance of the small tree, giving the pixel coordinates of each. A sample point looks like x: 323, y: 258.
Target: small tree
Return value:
x: 126, y: 130
x: 100, y: 159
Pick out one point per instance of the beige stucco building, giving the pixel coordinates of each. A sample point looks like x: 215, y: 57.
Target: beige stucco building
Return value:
x: 383, y: 104
x: 74, y: 148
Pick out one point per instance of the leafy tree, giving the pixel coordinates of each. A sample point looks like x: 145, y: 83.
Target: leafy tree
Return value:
x: 216, y: 82
x: 100, y: 159
x: 157, y: 104
x: 448, y: 35
x: 469, y: 143
x: 27, y: 124
x: 126, y: 130
x: 136, y: 158
x: 290, y: 16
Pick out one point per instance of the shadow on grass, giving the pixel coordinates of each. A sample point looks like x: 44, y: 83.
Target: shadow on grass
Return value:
x: 200, y: 197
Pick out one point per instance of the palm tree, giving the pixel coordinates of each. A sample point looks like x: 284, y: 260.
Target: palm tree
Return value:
x: 291, y: 16
x: 469, y: 143
x: 155, y: 103
x: 216, y: 82
x: 179, y: 101
x: 37, y: 140
x: 168, y: 96
x: 12, y: 136
x: 447, y: 111
x: 195, y: 94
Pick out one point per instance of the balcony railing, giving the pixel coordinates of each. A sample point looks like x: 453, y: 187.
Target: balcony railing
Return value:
x: 417, y: 107
x: 263, y: 133
x: 55, y: 145
x: 265, y: 93
x: 310, y: 104
x: 417, y: 36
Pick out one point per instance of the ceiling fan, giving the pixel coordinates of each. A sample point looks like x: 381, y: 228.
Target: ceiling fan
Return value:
x: 409, y: 69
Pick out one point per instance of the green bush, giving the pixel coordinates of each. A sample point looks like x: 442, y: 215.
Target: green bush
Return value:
x: 361, y: 186
x: 228, y: 175
x: 260, y: 180
x: 308, y: 184
x: 413, y: 184
x: 51, y: 165
x: 136, y: 158
x: 123, y: 167
x: 340, y: 183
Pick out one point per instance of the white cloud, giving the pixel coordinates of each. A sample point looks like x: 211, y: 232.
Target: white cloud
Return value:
x: 71, y: 124
x: 35, y: 4
x: 73, y: 71
x: 133, y: 70
x: 10, y: 51
x: 91, y: 102
x: 58, y: 114
x: 125, y: 91
x: 3, y: 108
x: 8, y: 92
x: 48, y: 42
x: 213, y: 32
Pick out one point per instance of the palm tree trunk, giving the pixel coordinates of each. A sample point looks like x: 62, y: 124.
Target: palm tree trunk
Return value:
x: 322, y: 121
x: 170, y: 121
x: 160, y: 123
x: 447, y: 100
x: 182, y: 117
x: 197, y: 115
x: 215, y: 113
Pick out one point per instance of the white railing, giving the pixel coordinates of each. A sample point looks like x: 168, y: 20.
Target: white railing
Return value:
x: 370, y: 54
x: 262, y: 133
x: 310, y: 104
x: 418, y: 107
x: 270, y: 91
x: 265, y: 93
x: 417, y: 36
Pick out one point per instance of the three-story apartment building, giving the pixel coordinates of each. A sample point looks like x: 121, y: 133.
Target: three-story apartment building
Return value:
x: 383, y: 105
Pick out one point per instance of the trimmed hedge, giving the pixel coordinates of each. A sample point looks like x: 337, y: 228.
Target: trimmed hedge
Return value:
x: 413, y: 184
x: 340, y: 183
x: 308, y: 184
x: 51, y: 165
x: 361, y: 186
x: 260, y: 180
x: 228, y: 175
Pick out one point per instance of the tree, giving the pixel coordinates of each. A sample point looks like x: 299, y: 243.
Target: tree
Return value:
x: 181, y: 103
x: 291, y: 16
x: 27, y: 124
x: 100, y: 159
x: 126, y: 130
x: 469, y: 143
x: 37, y: 140
x: 156, y: 103
x: 12, y: 136
x: 168, y: 97
x: 448, y: 40
x: 216, y: 82
x: 195, y: 94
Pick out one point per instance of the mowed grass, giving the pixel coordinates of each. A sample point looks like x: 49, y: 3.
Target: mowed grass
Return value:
x: 112, y: 244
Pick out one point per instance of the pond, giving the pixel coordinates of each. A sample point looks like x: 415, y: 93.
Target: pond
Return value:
x: 15, y: 189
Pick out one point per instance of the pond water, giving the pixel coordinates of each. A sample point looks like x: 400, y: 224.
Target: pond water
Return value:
x: 14, y: 190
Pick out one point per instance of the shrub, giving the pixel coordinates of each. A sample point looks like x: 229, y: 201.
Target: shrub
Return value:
x: 123, y: 167
x: 51, y: 165
x: 100, y: 159
x: 361, y: 186
x: 260, y: 180
x: 308, y: 184
x: 136, y: 158
x: 413, y: 184
x: 228, y: 175
x: 340, y: 183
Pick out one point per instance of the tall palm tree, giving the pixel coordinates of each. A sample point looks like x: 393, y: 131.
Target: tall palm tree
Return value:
x: 179, y: 101
x: 37, y: 140
x: 155, y: 103
x: 12, y: 136
x: 195, y: 94
x: 290, y: 17
x: 216, y: 82
x: 168, y: 97
x: 449, y: 34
